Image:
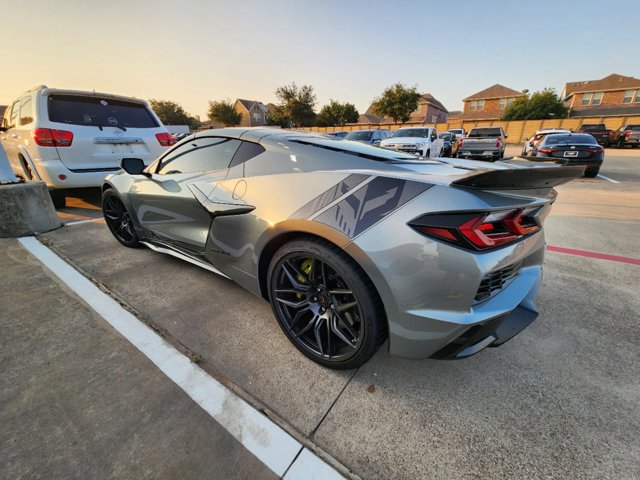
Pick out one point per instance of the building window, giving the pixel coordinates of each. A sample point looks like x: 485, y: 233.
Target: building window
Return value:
x: 505, y: 102
x: 434, y: 118
x: 476, y: 105
x: 631, y: 96
x: 256, y: 117
x: 591, y: 99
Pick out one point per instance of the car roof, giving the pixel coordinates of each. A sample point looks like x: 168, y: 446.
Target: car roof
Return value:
x: 44, y: 90
x: 552, y: 130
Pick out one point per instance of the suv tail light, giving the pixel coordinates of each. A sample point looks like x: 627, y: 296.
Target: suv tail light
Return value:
x: 165, y: 139
x: 628, y: 134
x: 498, y: 142
x: 480, y: 231
x: 460, y: 142
x: 48, y: 137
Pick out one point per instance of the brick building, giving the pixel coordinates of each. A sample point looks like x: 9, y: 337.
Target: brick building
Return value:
x: 254, y: 113
x: 429, y: 110
x: 614, y: 96
x: 489, y: 104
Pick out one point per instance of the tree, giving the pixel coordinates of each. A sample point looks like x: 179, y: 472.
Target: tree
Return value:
x: 171, y: 113
x: 336, y: 113
x: 222, y: 111
x: 539, y: 106
x: 295, y: 106
x: 397, y: 102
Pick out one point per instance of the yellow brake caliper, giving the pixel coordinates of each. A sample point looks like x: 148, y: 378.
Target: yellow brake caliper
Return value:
x: 306, y: 268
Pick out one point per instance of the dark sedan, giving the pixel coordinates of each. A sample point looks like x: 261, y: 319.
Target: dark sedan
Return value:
x: 574, y: 149
x: 450, y: 147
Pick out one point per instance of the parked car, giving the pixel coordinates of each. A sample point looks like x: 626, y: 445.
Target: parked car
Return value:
x: 459, y: 132
x: 337, y: 135
x: 599, y: 131
x: 483, y: 143
x: 348, y: 242
x: 529, y: 143
x: 627, y: 135
x: 450, y: 146
x: 423, y: 141
x: 73, y: 139
x: 574, y: 149
x: 369, y: 137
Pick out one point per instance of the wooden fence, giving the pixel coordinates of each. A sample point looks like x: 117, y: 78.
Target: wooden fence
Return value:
x: 517, y: 129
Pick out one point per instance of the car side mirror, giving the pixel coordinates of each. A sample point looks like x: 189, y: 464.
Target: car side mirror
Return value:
x: 433, y: 137
x: 134, y: 166
x: 506, y: 136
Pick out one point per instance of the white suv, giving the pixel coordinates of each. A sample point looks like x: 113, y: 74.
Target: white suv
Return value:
x: 73, y: 139
x: 423, y: 141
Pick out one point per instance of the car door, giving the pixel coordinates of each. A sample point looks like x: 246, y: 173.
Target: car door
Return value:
x: 9, y: 138
x: 165, y: 204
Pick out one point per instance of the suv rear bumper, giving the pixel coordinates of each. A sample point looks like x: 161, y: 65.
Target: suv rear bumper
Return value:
x: 51, y: 170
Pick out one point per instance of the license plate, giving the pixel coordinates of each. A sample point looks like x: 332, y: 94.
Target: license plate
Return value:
x: 571, y: 154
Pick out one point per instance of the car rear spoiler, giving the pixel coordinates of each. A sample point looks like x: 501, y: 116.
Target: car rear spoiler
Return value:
x: 520, y: 178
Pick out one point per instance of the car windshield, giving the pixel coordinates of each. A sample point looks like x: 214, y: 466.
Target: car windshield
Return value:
x: 445, y: 136
x: 99, y: 112
x: 561, y: 139
x: 485, y: 132
x: 633, y: 127
x: 361, y: 135
x: 411, y: 132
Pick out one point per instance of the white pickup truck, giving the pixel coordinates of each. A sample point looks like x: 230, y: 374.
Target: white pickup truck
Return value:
x: 423, y: 141
x: 483, y: 143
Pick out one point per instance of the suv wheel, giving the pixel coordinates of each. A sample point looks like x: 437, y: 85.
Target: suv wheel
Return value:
x: 58, y: 198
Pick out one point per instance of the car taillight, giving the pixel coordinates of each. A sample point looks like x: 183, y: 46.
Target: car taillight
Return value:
x: 165, y: 139
x: 460, y: 142
x: 48, y: 137
x: 595, y: 149
x: 546, y: 150
x: 628, y: 134
x: 480, y: 231
x: 498, y: 143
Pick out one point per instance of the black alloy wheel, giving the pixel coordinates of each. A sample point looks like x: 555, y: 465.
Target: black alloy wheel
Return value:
x: 325, y: 304
x: 118, y: 219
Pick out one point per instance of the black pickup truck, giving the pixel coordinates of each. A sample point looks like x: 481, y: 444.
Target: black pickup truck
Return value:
x: 627, y: 135
x: 599, y: 131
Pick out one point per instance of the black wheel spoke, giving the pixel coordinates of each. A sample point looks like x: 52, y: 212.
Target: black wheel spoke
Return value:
x: 297, y: 316
x: 292, y: 279
x: 346, y: 306
x: 307, y: 327
x: 316, y: 331
x: 336, y: 329
x: 341, y: 292
x: 292, y: 304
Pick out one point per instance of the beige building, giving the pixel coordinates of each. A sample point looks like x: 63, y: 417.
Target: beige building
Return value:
x: 254, y: 113
x: 429, y: 110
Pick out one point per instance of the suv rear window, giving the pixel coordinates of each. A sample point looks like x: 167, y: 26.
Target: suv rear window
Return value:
x: 587, y: 127
x: 96, y: 111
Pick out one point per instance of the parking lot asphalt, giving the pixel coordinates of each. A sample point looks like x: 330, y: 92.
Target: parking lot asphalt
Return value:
x: 561, y: 400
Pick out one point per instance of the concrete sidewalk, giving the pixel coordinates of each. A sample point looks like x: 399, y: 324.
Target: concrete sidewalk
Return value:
x: 78, y: 401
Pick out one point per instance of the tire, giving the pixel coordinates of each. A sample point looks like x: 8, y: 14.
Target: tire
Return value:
x: 591, y: 172
x: 620, y: 142
x: 58, y: 198
x: 325, y: 304
x: 635, y: 145
x: 118, y: 219
x: 427, y: 154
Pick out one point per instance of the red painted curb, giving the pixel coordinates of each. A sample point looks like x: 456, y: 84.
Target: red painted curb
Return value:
x: 601, y: 256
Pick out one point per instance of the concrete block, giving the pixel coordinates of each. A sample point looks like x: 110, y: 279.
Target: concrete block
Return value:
x: 26, y: 209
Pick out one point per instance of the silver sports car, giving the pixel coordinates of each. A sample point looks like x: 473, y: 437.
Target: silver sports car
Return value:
x: 351, y: 244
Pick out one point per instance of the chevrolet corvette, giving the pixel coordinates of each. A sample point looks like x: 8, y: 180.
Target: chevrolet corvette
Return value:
x: 351, y: 244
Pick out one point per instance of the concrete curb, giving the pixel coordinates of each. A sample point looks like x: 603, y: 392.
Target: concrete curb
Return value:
x: 26, y: 209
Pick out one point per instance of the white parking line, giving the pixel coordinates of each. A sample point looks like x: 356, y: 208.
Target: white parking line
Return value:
x: 267, y: 441
x: 607, y: 178
x: 80, y: 222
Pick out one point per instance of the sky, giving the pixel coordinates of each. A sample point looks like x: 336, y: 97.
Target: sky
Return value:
x: 194, y: 51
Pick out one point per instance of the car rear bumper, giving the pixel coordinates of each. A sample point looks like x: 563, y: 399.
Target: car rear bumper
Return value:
x: 480, y: 153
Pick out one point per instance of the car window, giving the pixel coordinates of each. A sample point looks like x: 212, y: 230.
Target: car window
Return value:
x: 14, y: 113
x: 246, y: 151
x: 358, y: 135
x: 200, y: 155
x: 559, y: 139
x: 26, y: 111
x: 412, y: 132
x: 97, y: 111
